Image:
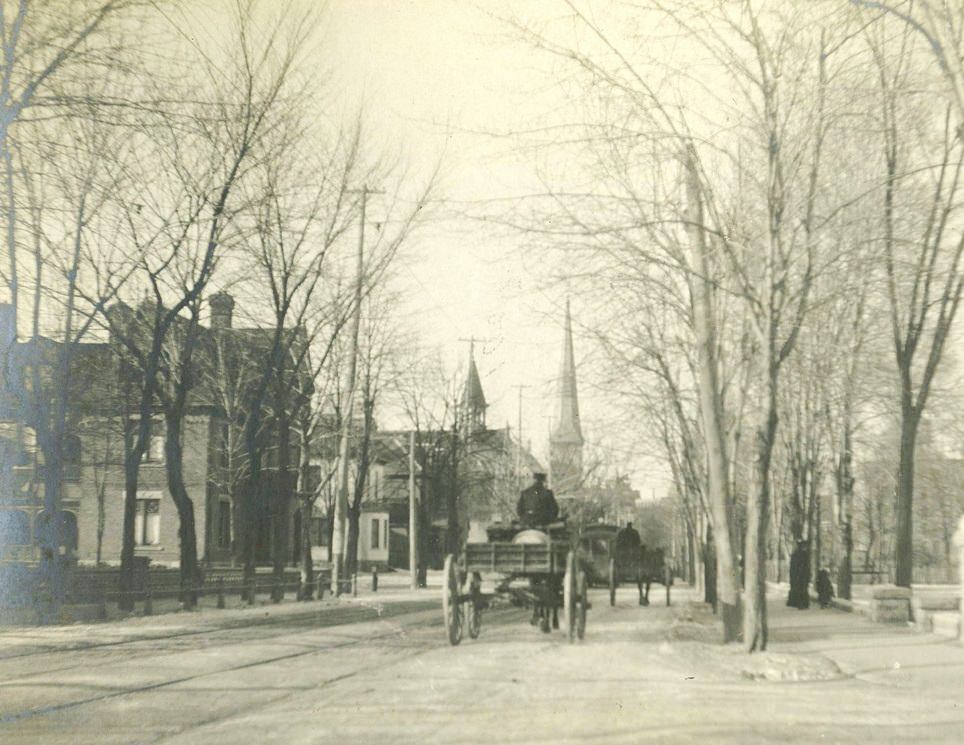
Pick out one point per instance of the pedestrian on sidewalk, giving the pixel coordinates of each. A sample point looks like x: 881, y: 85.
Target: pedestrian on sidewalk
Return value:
x: 824, y: 588
x: 799, y: 596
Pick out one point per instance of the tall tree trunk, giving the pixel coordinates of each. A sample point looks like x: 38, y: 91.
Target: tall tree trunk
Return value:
x: 363, y: 460
x: 758, y: 505
x: 710, y: 570
x: 904, y: 539
x: 818, y: 532
x: 147, y: 376
x: 281, y: 499
x: 308, y: 495
x: 187, y: 530
x: 307, y: 563
x: 132, y: 465
x: 330, y: 532
x: 351, y: 543
x: 249, y: 513
x: 711, y: 408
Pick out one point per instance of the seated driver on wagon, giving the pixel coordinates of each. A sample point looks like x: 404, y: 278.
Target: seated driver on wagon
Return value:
x: 537, y: 506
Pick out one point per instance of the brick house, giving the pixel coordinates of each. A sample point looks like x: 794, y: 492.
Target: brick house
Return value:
x: 93, y: 489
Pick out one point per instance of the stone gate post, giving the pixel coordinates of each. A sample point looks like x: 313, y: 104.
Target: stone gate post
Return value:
x: 959, y: 542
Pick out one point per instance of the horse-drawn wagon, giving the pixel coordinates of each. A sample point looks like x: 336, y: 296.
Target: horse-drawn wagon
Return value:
x: 609, y: 566
x: 537, y: 569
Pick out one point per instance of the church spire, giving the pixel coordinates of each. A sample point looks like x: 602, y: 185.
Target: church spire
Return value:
x: 473, y: 398
x: 567, y: 426
x: 565, y: 440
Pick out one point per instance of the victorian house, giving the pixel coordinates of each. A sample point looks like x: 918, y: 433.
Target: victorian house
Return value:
x: 227, y: 361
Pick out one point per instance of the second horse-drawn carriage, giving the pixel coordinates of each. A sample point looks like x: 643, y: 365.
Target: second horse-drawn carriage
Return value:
x: 539, y: 569
x: 610, y: 565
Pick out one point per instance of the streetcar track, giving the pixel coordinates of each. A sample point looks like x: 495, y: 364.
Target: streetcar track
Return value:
x: 291, y: 629
x: 56, y: 708
x: 222, y: 717
x: 285, y: 628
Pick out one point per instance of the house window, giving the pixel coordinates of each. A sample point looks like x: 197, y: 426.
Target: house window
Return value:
x: 147, y: 522
x: 319, y: 535
x: 376, y: 526
x: 224, y: 523
x: 155, y: 448
x: 384, y: 533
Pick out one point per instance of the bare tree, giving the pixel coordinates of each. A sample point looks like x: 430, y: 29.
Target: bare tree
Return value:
x: 941, y: 25
x: 69, y: 186
x: 192, y: 204
x: 922, y: 250
x: 44, y: 50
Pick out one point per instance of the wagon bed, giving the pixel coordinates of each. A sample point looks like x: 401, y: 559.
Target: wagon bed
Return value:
x: 516, y: 558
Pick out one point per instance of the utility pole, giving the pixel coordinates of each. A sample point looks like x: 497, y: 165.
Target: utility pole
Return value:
x: 549, y: 459
x: 341, y: 497
x: 412, y: 514
x: 518, y: 450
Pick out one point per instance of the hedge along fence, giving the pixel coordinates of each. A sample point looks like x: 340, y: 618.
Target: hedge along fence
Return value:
x: 100, y: 585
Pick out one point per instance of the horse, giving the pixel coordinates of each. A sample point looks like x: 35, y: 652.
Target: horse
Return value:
x: 652, y: 568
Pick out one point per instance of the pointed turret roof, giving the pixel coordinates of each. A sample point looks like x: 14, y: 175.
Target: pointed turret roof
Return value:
x: 567, y: 425
x: 473, y: 399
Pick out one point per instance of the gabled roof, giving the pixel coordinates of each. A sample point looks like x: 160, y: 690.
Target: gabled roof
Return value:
x: 224, y: 353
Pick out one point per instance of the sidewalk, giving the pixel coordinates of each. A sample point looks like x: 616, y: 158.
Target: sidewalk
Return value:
x: 875, y: 652
x: 392, y: 598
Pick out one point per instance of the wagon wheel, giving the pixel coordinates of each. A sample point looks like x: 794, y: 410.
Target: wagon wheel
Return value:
x: 582, y: 590
x: 612, y: 582
x: 451, y: 608
x: 474, y: 606
x: 570, y: 596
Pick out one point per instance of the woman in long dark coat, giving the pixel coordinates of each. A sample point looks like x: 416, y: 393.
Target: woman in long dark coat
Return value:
x: 824, y: 588
x: 799, y: 577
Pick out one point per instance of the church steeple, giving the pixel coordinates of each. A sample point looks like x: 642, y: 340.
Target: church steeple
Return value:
x: 566, y: 441
x: 473, y: 398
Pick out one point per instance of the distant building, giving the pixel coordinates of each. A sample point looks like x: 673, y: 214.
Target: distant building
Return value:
x: 478, y: 469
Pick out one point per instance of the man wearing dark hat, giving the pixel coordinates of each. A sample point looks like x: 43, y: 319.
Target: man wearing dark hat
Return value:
x: 537, y: 504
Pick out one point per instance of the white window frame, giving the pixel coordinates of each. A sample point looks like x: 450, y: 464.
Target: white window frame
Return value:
x: 145, y: 529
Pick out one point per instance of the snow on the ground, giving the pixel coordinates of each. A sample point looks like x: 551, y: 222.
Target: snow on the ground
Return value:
x: 694, y: 634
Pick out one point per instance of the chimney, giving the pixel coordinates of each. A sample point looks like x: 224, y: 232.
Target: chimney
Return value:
x: 121, y: 315
x: 222, y: 308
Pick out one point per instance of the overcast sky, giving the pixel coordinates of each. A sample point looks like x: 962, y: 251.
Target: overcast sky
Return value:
x: 441, y: 78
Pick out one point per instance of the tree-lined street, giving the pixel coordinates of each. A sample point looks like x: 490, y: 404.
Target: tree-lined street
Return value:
x: 297, y: 297
x: 341, y: 674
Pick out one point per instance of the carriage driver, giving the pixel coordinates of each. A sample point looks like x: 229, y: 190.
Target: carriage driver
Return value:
x: 628, y: 545
x: 537, y: 504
